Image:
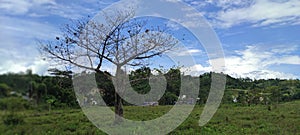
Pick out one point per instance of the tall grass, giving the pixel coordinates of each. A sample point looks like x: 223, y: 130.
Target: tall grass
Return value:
x: 229, y: 119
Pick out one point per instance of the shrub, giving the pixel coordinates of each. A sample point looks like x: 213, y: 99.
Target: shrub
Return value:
x: 14, y: 104
x: 4, y: 90
x: 13, y: 119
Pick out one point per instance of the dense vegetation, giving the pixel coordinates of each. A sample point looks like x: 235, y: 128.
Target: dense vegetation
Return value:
x: 41, y: 90
x: 30, y: 103
x: 38, y: 89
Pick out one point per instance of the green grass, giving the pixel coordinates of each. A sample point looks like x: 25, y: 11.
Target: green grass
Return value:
x: 229, y: 119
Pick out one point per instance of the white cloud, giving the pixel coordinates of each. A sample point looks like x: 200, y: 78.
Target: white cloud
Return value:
x: 39, y: 66
x: 23, y: 6
x: 72, y: 11
x: 294, y: 60
x: 258, y: 12
x: 174, y: 26
x: 41, y: 8
x: 267, y: 74
x: 18, y: 46
x: 229, y: 13
x: 254, y: 62
x: 187, y: 52
x: 15, y: 62
x: 284, y: 49
x: 195, y: 70
x: 231, y: 4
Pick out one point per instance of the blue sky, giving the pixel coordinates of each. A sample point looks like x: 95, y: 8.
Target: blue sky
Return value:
x: 260, y: 38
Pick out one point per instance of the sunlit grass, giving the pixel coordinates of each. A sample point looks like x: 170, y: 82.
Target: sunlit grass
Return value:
x: 229, y: 119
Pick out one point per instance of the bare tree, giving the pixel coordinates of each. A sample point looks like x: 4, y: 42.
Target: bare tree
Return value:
x: 122, y: 40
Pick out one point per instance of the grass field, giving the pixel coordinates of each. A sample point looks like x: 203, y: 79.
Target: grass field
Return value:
x: 229, y: 119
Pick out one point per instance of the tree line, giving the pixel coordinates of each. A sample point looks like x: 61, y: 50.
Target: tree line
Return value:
x: 57, y: 90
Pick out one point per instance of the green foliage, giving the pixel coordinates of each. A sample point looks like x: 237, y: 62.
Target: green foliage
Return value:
x: 173, y: 77
x: 262, y: 107
x: 4, y: 90
x: 11, y: 106
x: 244, y: 90
x: 168, y: 99
x: 14, y: 104
x: 229, y: 119
x: 140, y: 80
x: 106, y: 87
x: 50, y: 101
x: 13, y: 119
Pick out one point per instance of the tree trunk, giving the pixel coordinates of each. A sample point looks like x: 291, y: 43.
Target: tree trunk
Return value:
x: 118, y: 108
x: 119, y: 89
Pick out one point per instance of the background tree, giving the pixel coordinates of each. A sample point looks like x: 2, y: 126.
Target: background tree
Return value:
x: 140, y: 80
x: 276, y: 93
x: 60, y: 73
x: 4, y: 90
x: 40, y: 92
x: 205, y: 82
x: 121, y: 40
x: 173, y: 80
x: 106, y: 87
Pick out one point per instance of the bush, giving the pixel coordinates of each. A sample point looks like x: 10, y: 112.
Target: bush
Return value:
x: 14, y: 104
x: 4, y: 90
x: 13, y: 119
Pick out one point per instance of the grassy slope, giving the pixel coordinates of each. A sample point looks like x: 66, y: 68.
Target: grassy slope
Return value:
x: 229, y: 119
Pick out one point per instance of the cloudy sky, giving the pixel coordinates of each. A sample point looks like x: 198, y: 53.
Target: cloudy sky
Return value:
x: 260, y: 38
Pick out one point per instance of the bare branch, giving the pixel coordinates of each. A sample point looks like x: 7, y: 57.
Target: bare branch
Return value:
x: 119, y: 41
